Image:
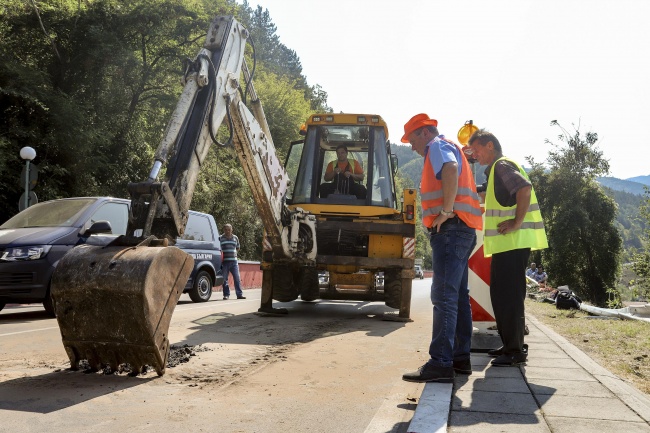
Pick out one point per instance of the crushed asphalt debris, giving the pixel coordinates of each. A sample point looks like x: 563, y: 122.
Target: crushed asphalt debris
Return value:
x: 177, y: 355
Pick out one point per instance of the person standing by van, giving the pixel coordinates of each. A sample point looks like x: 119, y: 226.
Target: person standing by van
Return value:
x: 230, y: 246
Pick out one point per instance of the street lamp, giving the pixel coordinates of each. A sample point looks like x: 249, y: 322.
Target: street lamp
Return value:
x: 27, y: 153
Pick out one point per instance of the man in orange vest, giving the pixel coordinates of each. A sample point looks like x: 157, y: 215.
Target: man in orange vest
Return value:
x: 345, y: 173
x: 452, y: 213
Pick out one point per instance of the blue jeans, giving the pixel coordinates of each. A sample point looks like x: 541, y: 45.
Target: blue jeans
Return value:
x: 231, y: 266
x: 452, y: 315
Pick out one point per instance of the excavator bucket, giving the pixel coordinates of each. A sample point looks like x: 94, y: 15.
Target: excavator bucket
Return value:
x: 114, y: 304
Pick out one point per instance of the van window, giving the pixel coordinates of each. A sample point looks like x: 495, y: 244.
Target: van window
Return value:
x: 198, y: 229
x: 115, y: 213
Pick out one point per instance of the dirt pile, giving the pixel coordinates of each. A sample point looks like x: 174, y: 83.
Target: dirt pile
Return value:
x: 177, y: 355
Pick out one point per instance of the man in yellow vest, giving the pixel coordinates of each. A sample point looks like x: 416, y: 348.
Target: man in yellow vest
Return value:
x: 513, y: 227
x: 452, y: 213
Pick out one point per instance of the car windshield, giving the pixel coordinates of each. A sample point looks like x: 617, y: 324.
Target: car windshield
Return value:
x: 59, y: 213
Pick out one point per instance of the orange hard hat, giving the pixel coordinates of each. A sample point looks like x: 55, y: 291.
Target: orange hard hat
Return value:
x: 466, y: 132
x: 416, y: 122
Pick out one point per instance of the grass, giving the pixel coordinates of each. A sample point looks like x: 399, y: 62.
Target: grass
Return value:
x: 621, y: 346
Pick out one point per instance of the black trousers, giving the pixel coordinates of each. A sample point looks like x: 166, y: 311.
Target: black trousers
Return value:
x: 508, y: 293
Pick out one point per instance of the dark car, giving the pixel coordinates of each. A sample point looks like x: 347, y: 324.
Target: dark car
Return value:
x: 201, y: 241
x: 34, y: 240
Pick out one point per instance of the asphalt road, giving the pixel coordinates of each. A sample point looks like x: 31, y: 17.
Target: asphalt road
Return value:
x: 329, y: 366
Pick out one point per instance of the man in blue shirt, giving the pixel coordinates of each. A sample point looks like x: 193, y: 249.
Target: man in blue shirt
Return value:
x: 230, y: 246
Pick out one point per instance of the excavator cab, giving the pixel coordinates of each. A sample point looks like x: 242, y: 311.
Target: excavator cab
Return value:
x: 365, y: 141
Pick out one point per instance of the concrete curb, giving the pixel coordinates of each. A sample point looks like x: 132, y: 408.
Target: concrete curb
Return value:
x: 434, y: 405
x: 630, y: 396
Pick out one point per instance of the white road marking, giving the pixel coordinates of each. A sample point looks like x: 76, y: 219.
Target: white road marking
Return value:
x: 31, y: 330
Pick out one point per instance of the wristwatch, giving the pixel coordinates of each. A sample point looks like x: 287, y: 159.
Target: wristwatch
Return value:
x: 447, y: 213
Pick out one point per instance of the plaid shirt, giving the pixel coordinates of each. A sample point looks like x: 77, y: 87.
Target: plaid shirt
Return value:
x: 508, y: 180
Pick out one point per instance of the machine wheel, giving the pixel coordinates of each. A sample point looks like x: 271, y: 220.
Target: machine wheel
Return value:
x: 393, y: 288
x: 284, y: 290
x: 405, y: 301
x: 202, y: 289
x: 308, y: 283
x: 48, y: 304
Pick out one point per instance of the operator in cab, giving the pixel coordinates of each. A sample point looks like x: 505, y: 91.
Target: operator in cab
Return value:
x: 342, y: 176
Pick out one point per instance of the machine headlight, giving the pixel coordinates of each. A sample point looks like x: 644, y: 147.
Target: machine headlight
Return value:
x: 25, y: 253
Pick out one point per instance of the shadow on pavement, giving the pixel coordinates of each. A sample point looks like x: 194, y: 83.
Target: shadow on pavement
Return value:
x: 501, y: 397
x: 60, y: 389
x: 306, y: 321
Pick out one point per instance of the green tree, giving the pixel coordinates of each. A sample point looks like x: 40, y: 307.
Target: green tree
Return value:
x: 91, y: 85
x: 584, y: 244
x: 641, y: 260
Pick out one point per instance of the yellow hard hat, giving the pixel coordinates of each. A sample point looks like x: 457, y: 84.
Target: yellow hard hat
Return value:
x: 466, y: 132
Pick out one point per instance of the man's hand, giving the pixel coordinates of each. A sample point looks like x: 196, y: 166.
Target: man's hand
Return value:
x: 508, y: 226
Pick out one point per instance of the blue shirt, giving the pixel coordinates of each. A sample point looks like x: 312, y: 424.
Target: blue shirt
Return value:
x: 229, y: 247
x: 440, y: 152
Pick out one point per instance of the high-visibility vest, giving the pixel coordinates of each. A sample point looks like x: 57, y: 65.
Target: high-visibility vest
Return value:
x: 466, y: 204
x: 531, y: 234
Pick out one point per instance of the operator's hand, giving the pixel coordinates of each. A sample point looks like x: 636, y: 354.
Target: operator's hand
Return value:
x: 337, y: 170
x: 508, y: 226
x: 348, y: 174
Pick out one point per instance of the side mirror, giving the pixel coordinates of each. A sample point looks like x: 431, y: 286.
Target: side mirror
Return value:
x: 99, y: 227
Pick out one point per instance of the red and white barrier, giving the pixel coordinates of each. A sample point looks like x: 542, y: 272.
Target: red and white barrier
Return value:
x: 479, y: 289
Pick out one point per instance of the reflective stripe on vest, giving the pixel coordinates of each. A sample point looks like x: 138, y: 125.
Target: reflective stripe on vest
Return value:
x: 531, y: 234
x: 466, y: 204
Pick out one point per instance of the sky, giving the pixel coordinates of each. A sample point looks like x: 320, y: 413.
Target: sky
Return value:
x: 510, y: 66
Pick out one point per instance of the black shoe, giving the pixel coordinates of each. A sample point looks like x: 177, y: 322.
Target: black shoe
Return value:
x: 241, y: 297
x: 429, y: 373
x: 225, y: 298
x: 495, y: 352
x: 463, y: 367
x: 510, y: 360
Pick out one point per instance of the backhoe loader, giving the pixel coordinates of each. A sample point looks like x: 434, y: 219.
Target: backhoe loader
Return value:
x: 114, y: 303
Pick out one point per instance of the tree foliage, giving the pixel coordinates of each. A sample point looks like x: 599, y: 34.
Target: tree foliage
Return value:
x: 584, y: 244
x: 91, y: 85
x: 641, y: 260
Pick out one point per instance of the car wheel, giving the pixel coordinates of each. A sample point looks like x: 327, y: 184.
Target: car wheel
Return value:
x: 48, y: 304
x: 202, y: 288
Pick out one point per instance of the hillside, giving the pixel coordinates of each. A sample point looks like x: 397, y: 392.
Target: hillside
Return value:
x: 640, y: 179
x: 630, y: 186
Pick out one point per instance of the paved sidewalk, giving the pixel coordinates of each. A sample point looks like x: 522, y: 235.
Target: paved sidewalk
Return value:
x: 560, y: 390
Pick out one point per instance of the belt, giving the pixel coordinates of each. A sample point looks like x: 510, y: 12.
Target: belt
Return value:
x: 454, y: 220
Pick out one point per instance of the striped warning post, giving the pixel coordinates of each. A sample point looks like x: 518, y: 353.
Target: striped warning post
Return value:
x: 479, y: 289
